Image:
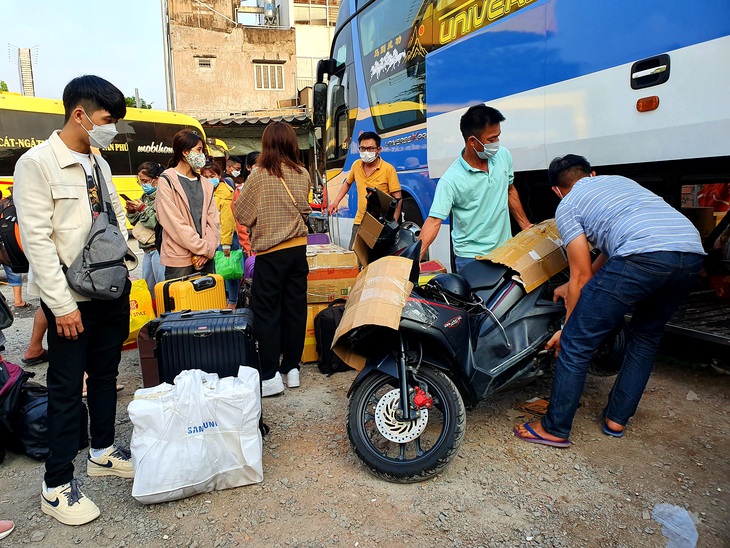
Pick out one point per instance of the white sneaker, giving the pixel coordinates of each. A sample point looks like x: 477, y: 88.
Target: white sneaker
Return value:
x: 272, y: 387
x: 291, y: 379
x: 68, y: 504
x: 115, y: 461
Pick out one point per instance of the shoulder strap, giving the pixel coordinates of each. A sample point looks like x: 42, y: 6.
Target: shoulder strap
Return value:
x: 104, y: 199
x: 286, y: 187
x: 293, y: 200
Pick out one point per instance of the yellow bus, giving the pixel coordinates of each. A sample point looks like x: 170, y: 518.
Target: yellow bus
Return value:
x: 144, y: 135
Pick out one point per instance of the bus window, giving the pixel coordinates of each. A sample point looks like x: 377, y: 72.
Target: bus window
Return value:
x: 385, y: 21
x: 394, y: 71
x: 399, y: 100
x: 341, y: 98
x: 21, y: 130
x: 338, y: 128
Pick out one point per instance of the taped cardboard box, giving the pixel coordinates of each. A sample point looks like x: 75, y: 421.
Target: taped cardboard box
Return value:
x: 326, y: 291
x: 377, y: 298
x: 333, y: 273
x: 536, y: 254
x: 309, y: 354
x: 330, y: 256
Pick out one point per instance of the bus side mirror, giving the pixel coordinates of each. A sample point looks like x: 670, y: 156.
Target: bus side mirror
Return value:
x: 319, y: 110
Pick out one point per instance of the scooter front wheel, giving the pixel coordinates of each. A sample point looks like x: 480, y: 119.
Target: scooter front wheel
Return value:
x: 399, y: 450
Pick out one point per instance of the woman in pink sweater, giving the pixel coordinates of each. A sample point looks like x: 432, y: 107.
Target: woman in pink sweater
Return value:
x: 186, y: 210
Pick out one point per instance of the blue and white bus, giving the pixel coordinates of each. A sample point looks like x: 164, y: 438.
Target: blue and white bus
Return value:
x: 639, y: 88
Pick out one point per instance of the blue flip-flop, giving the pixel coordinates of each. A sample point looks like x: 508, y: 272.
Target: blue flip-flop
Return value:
x: 539, y: 439
x: 609, y: 431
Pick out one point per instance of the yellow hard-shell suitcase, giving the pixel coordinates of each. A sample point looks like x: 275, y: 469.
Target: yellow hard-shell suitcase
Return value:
x: 193, y: 292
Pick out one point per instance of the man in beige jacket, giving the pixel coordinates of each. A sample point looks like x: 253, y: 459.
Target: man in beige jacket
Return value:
x: 57, y: 194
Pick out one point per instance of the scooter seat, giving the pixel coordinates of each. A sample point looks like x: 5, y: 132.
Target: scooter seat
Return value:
x: 483, y: 274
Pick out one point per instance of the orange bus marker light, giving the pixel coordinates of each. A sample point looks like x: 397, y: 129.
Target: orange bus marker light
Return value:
x: 646, y: 104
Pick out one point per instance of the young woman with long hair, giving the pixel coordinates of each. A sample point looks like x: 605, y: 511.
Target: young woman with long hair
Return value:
x: 273, y: 204
x: 186, y: 210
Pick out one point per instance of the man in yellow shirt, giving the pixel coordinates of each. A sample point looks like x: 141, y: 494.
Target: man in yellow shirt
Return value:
x: 369, y: 171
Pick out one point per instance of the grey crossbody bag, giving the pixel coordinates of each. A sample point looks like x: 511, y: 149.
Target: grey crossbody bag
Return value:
x: 100, y: 271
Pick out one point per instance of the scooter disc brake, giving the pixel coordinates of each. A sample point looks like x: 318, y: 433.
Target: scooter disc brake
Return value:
x: 393, y: 428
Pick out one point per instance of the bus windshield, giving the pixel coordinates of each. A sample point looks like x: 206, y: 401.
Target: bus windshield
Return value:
x: 395, y: 76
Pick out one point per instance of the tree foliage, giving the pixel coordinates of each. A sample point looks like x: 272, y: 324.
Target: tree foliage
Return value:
x: 3, y: 86
x: 132, y: 102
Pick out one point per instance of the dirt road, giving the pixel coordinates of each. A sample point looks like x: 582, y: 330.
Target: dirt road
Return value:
x: 497, y: 492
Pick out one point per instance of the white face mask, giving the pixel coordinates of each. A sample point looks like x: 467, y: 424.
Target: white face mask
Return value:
x: 490, y: 149
x: 101, y: 136
x: 236, y: 173
x: 368, y: 157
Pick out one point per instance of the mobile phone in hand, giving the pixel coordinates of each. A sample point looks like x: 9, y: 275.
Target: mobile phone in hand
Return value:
x: 126, y: 197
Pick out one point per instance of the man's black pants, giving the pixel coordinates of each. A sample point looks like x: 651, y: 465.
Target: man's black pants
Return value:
x: 279, y: 304
x: 97, y: 351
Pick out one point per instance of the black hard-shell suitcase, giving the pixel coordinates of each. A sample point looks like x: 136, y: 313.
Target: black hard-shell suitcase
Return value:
x: 216, y: 341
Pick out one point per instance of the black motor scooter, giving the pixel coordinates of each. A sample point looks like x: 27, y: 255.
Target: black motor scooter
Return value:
x: 461, y: 339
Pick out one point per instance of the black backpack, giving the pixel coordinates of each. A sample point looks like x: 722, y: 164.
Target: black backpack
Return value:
x: 12, y: 379
x: 24, y: 414
x: 30, y: 423
x: 325, y: 325
x: 11, y: 251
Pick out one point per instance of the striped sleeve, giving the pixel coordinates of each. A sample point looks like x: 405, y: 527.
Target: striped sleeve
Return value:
x: 569, y: 223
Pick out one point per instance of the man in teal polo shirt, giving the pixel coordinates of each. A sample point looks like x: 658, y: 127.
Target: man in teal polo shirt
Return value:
x: 477, y: 188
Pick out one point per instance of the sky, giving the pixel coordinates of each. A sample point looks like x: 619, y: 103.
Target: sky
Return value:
x: 120, y: 41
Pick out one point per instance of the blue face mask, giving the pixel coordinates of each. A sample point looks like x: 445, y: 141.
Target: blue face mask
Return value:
x: 147, y: 188
x: 490, y: 149
x: 214, y: 181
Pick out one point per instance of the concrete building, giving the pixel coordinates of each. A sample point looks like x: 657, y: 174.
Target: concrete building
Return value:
x: 244, y: 57
x: 218, y: 67
x: 314, y: 23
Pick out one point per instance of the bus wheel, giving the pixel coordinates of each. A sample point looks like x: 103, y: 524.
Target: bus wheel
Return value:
x: 411, y: 211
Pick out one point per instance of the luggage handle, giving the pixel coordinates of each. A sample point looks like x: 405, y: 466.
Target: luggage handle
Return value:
x: 206, y: 282
x: 169, y: 302
x: 189, y: 312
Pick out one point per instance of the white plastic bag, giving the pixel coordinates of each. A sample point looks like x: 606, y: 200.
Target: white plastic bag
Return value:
x: 201, y: 434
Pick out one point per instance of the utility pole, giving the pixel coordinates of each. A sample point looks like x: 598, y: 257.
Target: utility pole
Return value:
x: 137, y: 102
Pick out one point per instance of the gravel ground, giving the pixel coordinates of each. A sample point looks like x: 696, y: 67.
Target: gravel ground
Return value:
x: 498, y: 491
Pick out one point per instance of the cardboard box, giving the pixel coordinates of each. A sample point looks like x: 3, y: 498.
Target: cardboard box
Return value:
x: 326, y: 291
x: 309, y: 354
x: 329, y: 256
x: 367, y: 236
x: 429, y: 270
x: 432, y: 267
x: 333, y: 273
x: 377, y: 298
x: 536, y: 254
